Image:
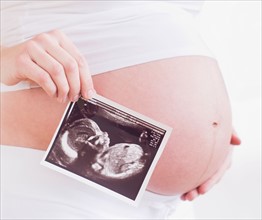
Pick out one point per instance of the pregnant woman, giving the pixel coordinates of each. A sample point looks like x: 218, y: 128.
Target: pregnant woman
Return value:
x: 146, y: 56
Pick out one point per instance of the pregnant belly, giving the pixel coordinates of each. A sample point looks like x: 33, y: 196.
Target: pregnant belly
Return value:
x: 188, y: 98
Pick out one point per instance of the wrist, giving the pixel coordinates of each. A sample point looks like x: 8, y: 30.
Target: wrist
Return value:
x: 7, y: 66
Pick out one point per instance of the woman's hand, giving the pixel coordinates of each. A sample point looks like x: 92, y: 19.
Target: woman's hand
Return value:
x: 206, y: 186
x: 50, y: 60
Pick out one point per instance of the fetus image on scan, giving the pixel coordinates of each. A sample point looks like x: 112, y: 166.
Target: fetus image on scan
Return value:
x: 106, y: 146
x: 84, y: 149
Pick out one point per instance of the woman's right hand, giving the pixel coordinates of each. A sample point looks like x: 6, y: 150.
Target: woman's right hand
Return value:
x: 50, y: 60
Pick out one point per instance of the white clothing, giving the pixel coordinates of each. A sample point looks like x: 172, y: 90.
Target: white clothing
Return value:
x: 110, y: 34
x: 32, y: 191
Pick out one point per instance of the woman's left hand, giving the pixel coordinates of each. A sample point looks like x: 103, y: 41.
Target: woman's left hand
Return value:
x: 208, y: 184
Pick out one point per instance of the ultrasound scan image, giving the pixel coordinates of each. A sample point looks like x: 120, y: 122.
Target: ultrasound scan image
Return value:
x: 106, y: 146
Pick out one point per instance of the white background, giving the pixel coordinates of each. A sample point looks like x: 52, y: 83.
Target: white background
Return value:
x: 233, y: 30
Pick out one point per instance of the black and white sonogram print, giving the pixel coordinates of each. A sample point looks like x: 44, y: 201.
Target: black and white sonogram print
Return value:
x: 106, y: 145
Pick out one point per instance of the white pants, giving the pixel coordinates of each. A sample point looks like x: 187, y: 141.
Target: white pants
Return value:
x: 31, y: 191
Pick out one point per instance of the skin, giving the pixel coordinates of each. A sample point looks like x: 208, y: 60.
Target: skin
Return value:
x: 50, y: 60
x: 186, y: 93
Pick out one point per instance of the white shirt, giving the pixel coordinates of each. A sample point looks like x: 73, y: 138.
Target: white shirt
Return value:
x: 110, y: 34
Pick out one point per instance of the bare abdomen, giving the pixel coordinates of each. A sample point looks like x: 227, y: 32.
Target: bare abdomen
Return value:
x: 186, y: 93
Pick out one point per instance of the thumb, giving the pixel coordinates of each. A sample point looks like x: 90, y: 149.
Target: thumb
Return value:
x: 235, y: 140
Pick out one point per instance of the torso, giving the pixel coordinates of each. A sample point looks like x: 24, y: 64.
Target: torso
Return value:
x: 170, y: 91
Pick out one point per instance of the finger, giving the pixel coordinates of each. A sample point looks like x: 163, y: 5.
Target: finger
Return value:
x: 53, y: 67
x: 86, y: 82
x: 235, y: 140
x: 70, y: 68
x: 30, y: 70
x: 190, y: 196
x: 206, y: 186
x: 183, y: 197
x: 87, y: 87
x: 52, y: 46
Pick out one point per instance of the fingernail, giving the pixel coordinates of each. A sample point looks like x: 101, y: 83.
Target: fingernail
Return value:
x: 75, y: 98
x: 91, y: 93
